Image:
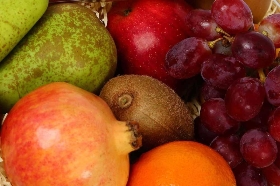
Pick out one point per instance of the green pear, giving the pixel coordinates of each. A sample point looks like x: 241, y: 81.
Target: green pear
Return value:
x: 68, y: 44
x: 17, y: 17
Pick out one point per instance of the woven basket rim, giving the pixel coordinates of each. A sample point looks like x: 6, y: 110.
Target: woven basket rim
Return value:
x: 101, y: 9
x: 274, y: 8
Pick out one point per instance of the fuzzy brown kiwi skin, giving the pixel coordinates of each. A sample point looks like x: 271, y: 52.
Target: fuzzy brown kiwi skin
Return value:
x: 161, y: 113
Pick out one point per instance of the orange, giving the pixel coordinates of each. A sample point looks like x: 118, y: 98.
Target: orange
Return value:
x: 181, y: 163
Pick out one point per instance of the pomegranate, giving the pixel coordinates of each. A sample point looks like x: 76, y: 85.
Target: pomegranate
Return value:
x: 60, y: 134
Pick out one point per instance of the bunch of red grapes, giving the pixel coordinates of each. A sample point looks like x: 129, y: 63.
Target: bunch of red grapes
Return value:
x: 240, y: 91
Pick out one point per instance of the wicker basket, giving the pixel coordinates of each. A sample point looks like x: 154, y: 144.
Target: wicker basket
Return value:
x: 275, y: 7
x: 101, y: 9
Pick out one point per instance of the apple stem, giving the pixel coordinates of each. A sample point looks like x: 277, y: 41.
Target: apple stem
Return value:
x: 127, y: 12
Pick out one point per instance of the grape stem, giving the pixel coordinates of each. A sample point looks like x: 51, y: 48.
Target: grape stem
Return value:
x: 225, y: 36
x: 265, y: 33
x: 261, y: 75
x: 221, y: 31
x: 211, y: 44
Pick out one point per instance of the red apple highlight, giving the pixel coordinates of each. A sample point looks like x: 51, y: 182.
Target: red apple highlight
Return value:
x: 60, y: 134
x: 144, y: 30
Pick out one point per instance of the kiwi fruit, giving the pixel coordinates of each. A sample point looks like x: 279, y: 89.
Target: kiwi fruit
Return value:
x: 161, y: 113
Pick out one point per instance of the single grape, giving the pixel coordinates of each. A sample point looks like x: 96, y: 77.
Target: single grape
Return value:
x: 272, y: 174
x: 199, y: 23
x: 248, y: 175
x: 272, y: 86
x: 277, y: 161
x: 253, y: 49
x: 274, y: 124
x: 260, y: 120
x: 270, y: 26
x: 258, y: 148
x: 208, y: 91
x: 184, y: 59
x: 221, y: 70
x: 222, y: 47
x: 201, y: 133
x: 215, y: 118
x: 228, y: 147
x: 244, y: 98
x: 233, y: 16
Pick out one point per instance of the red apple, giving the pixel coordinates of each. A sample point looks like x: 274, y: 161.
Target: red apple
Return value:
x: 60, y: 134
x: 144, y: 30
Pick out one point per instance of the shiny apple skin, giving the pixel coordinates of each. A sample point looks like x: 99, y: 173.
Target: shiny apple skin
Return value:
x: 144, y: 31
x: 53, y: 137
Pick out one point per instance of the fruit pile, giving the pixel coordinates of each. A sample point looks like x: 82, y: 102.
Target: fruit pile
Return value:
x: 240, y: 94
x: 167, y: 91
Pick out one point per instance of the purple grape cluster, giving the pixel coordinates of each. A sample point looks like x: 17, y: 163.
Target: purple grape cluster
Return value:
x: 240, y: 89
